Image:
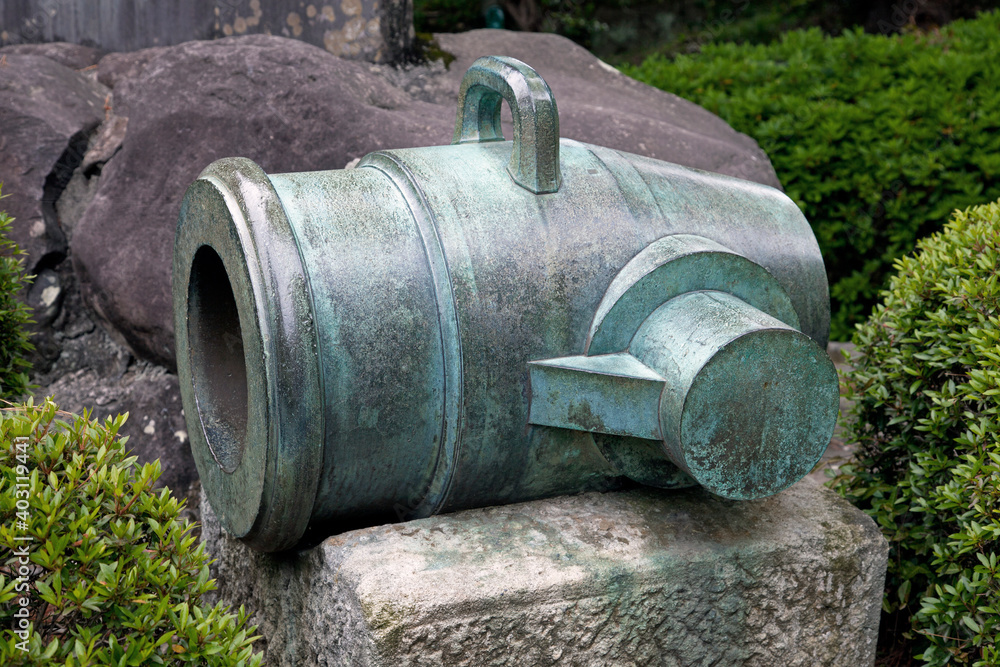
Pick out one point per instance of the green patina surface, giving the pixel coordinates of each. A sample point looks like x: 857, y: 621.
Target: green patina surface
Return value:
x: 489, y: 322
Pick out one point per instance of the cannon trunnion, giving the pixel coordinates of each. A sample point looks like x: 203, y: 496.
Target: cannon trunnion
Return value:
x: 489, y: 322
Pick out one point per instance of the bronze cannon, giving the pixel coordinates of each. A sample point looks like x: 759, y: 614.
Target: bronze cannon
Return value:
x: 489, y: 322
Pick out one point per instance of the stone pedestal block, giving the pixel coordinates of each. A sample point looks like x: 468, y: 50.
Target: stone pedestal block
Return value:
x: 640, y: 577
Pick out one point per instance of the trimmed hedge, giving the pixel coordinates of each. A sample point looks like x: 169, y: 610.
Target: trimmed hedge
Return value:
x: 876, y: 138
x: 14, y: 316
x: 926, y: 419
x: 98, y: 568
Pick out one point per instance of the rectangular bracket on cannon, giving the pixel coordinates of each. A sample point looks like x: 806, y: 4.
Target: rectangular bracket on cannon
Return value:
x: 610, y: 393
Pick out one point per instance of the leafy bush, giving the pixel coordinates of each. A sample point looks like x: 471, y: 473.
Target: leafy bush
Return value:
x: 112, y: 576
x: 876, y: 138
x: 927, y: 423
x: 14, y: 316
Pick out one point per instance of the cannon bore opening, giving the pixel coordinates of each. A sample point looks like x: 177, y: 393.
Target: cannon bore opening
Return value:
x: 218, y: 364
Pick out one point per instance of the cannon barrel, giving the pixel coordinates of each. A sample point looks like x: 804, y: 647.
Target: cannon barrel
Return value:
x: 489, y: 322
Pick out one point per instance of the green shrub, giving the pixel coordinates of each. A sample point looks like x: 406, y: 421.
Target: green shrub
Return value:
x: 927, y: 423
x: 876, y: 138
x: 112, y: 575
x: 14, y: 316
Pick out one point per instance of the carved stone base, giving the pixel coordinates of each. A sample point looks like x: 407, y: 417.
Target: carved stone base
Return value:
x: 639, y: 577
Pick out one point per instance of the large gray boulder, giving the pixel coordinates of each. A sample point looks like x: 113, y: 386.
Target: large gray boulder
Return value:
x: 642, y: 577
x: 47, y: 112
x: 293, y: 107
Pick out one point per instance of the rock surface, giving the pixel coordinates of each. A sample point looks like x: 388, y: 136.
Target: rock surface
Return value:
x: 73, y: 56
x: 628, y: 578
x: 116, y: 67
x: 47, y: 112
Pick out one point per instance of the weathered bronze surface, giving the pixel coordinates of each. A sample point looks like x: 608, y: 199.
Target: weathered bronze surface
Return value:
x: 489, y: 322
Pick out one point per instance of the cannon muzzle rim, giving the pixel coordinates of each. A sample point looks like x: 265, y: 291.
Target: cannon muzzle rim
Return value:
x: 247, y: 358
